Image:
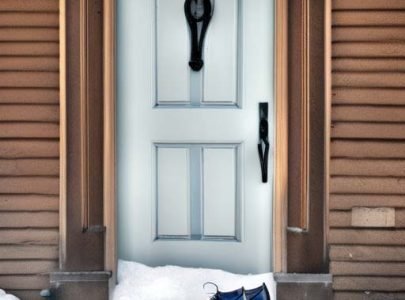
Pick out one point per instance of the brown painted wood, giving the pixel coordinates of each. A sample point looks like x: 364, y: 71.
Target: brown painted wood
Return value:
x: 368, y: 268
x: 366, y: 295
x: 30, y: 185
x: 355, y: 167
x: 29, y: 219
x: 371, y: 64
x: 29, y: 49
x: 50, y: 64
x: 365, y: 80
x: 348, y: 201
x: 368, y: 4
x: 29, y: 19
x: 10, y: 79
x: 21, y: 202
x: 29, y: 167
x: 29, y: 130
x: 367, y: 253
x: 340, y: 219
x: 29, y: 237
x: 27, y: 267
x: 367, y: 185
x: 31, y: 113
x: 370, y: 96
x: 382, y: 131
x: 368, y: 114
x: 372, y: 50
x: 29, y: 149
x: 377, y: 237
x: 363, y: 283
x: 368, y: 34
x: 20, y: 282
x: 29, y: 34
x: 17, y: 252
x: 29, y: 5
x: 367, y: 149
x: 369, y: 18
x: 29, y: 95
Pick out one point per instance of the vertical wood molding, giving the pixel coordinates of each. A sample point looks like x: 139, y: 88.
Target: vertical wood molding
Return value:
x: 84, y: 118
x: 328, y: 115
x: 281, y: 144
x: 63, y: 135
x: 110, y: 215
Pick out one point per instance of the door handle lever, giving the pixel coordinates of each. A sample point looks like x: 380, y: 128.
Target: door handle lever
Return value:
x: 264, y: 146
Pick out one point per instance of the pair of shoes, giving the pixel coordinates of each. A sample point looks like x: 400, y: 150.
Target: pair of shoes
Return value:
x: 259, y: 293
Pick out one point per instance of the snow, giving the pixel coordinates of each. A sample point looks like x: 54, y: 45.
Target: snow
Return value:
x: 139, y: 282
x: 4, y: 296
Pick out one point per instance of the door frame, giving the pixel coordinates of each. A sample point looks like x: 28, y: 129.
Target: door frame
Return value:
x: 280, y: 147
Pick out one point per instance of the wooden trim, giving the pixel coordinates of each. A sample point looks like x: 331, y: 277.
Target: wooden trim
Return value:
x: 84, y: 117
x: 328, y: 114
x: 110, y: 215
x: 281, y: 135
x: 63, y: 134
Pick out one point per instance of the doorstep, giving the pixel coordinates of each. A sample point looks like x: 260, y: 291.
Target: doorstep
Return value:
x: 303, y: 286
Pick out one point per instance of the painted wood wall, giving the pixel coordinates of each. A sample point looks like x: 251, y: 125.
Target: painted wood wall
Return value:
x: 29, y: 146
x: 367, y: 192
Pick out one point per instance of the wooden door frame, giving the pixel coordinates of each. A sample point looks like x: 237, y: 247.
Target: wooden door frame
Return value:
x: 281, y: 113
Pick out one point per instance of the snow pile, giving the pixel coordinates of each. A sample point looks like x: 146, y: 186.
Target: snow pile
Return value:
x: 4, y: 296
x: 139, y: 282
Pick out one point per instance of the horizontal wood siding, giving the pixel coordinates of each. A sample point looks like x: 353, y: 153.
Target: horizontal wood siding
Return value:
x: 29, y: 145
x: 367, y: 168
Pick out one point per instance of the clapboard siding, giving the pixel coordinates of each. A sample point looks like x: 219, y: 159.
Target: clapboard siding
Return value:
x: 367, y: 166
x: 29, y: 145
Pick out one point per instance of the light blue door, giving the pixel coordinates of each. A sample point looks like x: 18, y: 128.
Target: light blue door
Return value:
x: 190, y: 190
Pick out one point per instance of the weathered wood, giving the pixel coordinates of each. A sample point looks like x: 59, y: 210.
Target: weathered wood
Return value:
x: 50, y: 64
x: 368, y: 18
x: 368, y: 268
x: 367, y: 113
x: 30, y: 185
x: 30, y: 113
x: 340, y: 219
x: 364, y: 283
x: 29, y: 19
x: 365, y: 217
x: 366, y: 167
x: 30, y: 167
x: 21, y: 282
x: 367, y: 295
x: 367, y: 149
x: 363, y: 79
x: 369, y: 64
x: 368, y: 34
x: 400, y: 218
x: 29, y: 236
x: 29, y: 34
x: 29, y: 220
x: 29, y: 149
x: 11, y: 79
x: 381, y: 131
x: 368, y: 4
x: 27, y: 267
x: 347, y: 202
x: 16, y: 252
x: 377, y: 237
x: 368, y: 50
x: 29, y: 95
x: 28, y: 203
x: 368, y: 96
x: 29, y: 130
x: 367, y: 253
x: 367, y: 185
x: 29, y: 5
x: 29, y: 49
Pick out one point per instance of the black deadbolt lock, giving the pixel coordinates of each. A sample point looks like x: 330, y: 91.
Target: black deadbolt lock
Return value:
x: 198, y: 15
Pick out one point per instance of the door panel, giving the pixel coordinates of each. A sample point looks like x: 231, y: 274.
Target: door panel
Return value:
x: 189, y: 180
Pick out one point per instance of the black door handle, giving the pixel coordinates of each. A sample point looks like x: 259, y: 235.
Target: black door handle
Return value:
x: 264, y: 139
x: 198, y: 15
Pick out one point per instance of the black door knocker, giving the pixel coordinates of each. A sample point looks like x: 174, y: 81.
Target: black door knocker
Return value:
x: 198, y: 15
x: 264, y: 139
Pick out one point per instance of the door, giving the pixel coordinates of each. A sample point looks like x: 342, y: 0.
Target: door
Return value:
x: 190, y: 187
